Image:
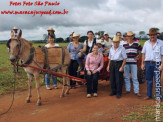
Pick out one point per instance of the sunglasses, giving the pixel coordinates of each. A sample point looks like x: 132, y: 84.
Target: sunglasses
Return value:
x: 152, y: 34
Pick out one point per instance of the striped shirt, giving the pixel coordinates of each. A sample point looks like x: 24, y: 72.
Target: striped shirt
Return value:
x: 132, y: 51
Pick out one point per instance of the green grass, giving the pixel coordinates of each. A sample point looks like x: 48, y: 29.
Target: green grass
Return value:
x: 7, y: 75
x: 143, y: 113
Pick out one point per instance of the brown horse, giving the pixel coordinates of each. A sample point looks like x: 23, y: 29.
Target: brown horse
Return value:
x: 21, y: 48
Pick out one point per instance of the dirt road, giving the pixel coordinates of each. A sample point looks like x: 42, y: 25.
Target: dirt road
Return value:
x: 72, y: 108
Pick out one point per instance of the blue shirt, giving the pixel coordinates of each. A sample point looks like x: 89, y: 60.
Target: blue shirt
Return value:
x: 73, y: 52
x: 153, y: 53
x: 117, y: 55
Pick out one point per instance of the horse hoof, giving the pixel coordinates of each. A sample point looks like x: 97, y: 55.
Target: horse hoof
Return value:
x: 61, y: 96
x: 27, y: 101
x: 38, y: 104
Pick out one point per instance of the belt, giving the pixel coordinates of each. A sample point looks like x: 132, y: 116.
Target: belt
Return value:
x: 152, y: 62
x: 116, y: 61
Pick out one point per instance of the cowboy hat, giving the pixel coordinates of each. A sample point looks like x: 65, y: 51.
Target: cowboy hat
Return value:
x: 15, y: 28
x: 105, y: 33
x: 99, y: 41
x: 116, y: 39
x: 75, y: 35
x: 152, y: 31
x: 130, y: 33
x: 51, y: 29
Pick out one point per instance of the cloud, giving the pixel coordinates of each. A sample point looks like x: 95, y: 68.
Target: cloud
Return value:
x: 84, y: 15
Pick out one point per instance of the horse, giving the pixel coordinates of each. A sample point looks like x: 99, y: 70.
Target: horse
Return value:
x: 20, y: 48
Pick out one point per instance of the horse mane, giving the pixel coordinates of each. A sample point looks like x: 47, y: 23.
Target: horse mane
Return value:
x: 27, y: 42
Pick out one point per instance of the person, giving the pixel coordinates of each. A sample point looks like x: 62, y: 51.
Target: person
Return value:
x: 74, y: 47
x: 15, y: 30
x: 120, y: 36
x: 88, y: 45
x: 117, y: 56
x: 47, y: 76
x: 100, y: 47
x: 152, y: 63
x: 51, y: 31
x: 107, y: 42
x: 94, y: 64
x: 132, y: 48
x: 125, y: 37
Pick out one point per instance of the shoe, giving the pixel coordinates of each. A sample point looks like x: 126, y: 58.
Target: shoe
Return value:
x: 118, y: 96
x: 112, y: 94
x: 88, y: 95
x: 138, y: 94
x: 55, y: 87
x: 127, y: 92
x: 48, y: 88
x: 95, y: 95
x: 147, y: 98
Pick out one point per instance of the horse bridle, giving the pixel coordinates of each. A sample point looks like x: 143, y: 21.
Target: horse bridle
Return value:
x: 19, y: 46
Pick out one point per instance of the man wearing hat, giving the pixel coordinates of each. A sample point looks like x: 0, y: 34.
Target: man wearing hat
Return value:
x: 15, y: 30
x: 152, y: 63
x: 133, y: 48
x: 117, y: 56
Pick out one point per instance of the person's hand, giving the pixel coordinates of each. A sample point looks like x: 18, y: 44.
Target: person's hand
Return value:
x: 160, y: 68
x: 108, y: 68
x: 137, y: 58
x: 121, y: 69
x: 80, y: 54
x: 143, y: 66
x: 95, y: 71
x: 82, y: 50
x: 88, y: 72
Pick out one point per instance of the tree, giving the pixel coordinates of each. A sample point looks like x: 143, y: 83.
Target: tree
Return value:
x: 141, y: 33
x: 83, y: 38
x: 45, y: 37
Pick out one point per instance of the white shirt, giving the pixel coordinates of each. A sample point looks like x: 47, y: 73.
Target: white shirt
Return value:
x: 89, y: 43
x: 117, y: 55
x: 153, y: 53
x: 108, y: 44
x: 55, y: 45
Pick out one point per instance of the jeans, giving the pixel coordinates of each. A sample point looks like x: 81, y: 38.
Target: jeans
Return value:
x: 133, y: 69
x: 47, y: 80
x: 79, y: 59
x: 92, y: 80
x: 152, y: 71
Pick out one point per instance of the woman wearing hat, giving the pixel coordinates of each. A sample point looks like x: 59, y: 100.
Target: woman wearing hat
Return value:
x: 74, y: 47
x: 51, y: 31
x: 133, y: 49
x: 107, y: 42
x: 117, y: 56
x: 94, y: 64
x: 152, y: 63
x: 47, y: 76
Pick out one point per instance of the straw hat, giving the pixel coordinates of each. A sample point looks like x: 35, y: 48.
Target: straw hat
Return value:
x: 130, y: 33
x: 75, y: 35
x: 51, y: 29
x: 152, y: 31
x: 116, y: 39
x: 15, y: 28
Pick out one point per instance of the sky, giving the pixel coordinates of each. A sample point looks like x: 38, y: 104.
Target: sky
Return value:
x: 83, y: 15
